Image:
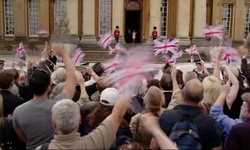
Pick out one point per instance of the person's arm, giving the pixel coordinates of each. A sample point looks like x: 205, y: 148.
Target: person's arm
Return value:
x: 224, y: 122
x: 17, y: 129
x: 93, y: 74
x: 216, y: 72
x: 84, y: 98
x: 20, y: 135
x: 176, y: 93
x: 105, y: 134
x: 118, y: 113
x: 71, y: 79
x: 234, y: 88
x: 174, y: 80
x: 150, y: 123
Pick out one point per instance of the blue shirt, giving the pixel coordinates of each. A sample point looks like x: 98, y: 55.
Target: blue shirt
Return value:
x: 224, y: 122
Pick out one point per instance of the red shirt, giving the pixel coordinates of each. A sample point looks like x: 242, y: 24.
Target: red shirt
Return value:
x: 117, y: 33
x: 154, y: 34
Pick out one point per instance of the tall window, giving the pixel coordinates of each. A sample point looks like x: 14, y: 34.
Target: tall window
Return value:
x: 247, y: 26
x: 104, y: 16
x: 60, y: 10
x: 33, y: 17
x: 164, y: 17
x: 226, y: 17
x: 9, y: 17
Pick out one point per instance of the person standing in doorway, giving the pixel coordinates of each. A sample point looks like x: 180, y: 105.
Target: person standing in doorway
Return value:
x: 154, y: 33
x: 134, y: 36
x: 128, y: 37
x: 117, y: 34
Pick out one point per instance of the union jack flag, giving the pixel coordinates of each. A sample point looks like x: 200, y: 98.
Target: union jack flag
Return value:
x: 118, y: 48
x: 192, y: 50
x: 130, y: 71
x: 216, y: 31
x: 106, y: 40
x: 20, y: 51
x: 78, y: 55
x: 231, y: 56
x: 166, y: 46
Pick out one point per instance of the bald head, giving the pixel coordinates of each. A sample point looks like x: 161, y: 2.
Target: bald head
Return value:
x: 193, y: 91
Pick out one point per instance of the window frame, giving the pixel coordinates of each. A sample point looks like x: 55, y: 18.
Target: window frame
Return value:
x: 247, y: 21
x: 29, y: 18
x: 229, y: 30
x: 104, y: 15
x: 162, y: 17
x: 58, y: 13
x: 13, y: 20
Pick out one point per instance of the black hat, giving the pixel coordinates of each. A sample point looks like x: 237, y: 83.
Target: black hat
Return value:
x: 117, y: 27
x: 154, y: 27
x: 2, y: 61
x: 198, y: 62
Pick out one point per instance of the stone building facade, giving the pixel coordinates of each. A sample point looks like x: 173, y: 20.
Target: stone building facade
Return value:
x: 20, y: 20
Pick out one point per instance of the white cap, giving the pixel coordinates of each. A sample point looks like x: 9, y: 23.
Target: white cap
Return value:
x: 109, y: 96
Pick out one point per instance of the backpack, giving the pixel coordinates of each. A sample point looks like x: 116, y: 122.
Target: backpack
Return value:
x: 8, y: 138
x: 185, y: 132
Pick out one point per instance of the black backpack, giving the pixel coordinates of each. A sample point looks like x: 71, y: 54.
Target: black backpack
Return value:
x: 8, y: 138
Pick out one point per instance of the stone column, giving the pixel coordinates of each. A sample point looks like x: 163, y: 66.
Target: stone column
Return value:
x: 183, y: 18
x: 20, y: 18
x: 217, y: 12
x: 72, y: 15
x: 199, y: 18
x: 154, y: 17
x: 1, y: 20
x: 89, y: 21
x: 239, y: 28
x: 118, y: 17
x: 183, y: 21
x: 43, y: 14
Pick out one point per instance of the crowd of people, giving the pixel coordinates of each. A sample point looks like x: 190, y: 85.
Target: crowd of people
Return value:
x: 69, y: 109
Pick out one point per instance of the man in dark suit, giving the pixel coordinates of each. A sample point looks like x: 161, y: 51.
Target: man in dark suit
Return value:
x: 239, y: 136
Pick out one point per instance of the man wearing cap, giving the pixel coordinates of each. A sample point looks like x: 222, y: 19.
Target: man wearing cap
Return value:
x: 200, y: 70
x: 1, y: 65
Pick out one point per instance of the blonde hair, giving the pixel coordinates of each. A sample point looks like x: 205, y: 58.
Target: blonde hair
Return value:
x: 154, y: 98
x: 212, y: 88
x: 1, y: 110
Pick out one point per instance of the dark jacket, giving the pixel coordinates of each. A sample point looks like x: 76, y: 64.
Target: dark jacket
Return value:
x: 239, y: 137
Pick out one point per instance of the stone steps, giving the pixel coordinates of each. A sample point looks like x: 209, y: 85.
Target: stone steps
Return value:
x: 100, y: 56
x: 96, y: 54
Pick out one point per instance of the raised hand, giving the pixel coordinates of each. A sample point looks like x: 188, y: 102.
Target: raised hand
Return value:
x: 173, y: 72
x: 225, y: 89
x: 58, y: 49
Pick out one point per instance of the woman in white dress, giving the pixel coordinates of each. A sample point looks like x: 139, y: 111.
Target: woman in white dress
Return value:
x: 134, y: 36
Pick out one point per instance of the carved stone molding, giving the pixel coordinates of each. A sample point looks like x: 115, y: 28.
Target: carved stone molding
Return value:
x: 133, y: 5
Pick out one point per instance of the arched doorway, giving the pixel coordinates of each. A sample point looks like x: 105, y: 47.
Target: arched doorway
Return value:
x: 133, y: 13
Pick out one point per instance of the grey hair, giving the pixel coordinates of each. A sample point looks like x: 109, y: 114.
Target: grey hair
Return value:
x: 59, y: 75
x: 66, y: 115
x: 56, y: 90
